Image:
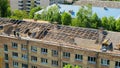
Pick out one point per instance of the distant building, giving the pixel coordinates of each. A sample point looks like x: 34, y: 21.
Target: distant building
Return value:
x: 73, y: 9
x: 43, y: 45
x: 27, y: 4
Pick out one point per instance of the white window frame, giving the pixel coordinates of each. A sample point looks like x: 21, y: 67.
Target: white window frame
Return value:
x: 14, y: 45
x: 23, y: 65
x: 105, y: 62
x: 44, y: 60
x: 54, y: 63
x: 23, y: 47
x: 54, y: 53
x: 66, y: 54
x: 15, y: 64
x: 44, y: 50
x: 78, y: 57
x: 117, y: 64
x: 33, y: 48
x: 33, y: 58
x: 33, y: 66
x: 6, y: 47
x: 91, y: 59
x: 24, y: 56
x: 13, y: 54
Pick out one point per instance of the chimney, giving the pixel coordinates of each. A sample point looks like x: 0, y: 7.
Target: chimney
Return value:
x: 100, y: 35
x: 55, y: 26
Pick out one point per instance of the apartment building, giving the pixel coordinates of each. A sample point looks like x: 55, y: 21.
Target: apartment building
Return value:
x: 27, y: 4
x: 43, y: 45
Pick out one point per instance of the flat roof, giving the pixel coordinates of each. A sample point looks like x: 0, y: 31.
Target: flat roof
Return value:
x: 101, y: 11
x: 67, y: 36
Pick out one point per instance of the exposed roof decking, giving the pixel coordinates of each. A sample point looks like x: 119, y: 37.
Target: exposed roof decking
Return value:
x: 64, y: 35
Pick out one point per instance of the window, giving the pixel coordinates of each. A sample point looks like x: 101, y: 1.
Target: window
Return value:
x: 20, y: 1
x: 78, y: 57
x: 6, y: 65
x: 5, y: 47
x: 33, y: 66
x: 29, y: 1
x: 66, y: 54
x: 43, y: 50
x: 6, y: 56
x: 104, y: 62
x: 54, y: 53
x: 23, y: 47
x: 14, y: 45
x: 44, y: 60
x: 91, y: 59
x: 33, y: 48
x: 117, y: 64
x: 15, y: 64
x: 54, y: 63
x: 24, y: 56
x: 24, y: 66
x: 64, y: 63
x: 33, y: 58
x: 15, y: 54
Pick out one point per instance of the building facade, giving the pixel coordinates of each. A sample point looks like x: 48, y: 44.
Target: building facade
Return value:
x: 27, y: 4
x: 41, y: 50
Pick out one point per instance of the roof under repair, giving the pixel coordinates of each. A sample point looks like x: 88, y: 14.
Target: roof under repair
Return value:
x: 76, y: 37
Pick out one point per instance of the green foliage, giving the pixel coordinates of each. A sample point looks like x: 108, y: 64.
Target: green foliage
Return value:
x: 75, y: 22
x: 19, y: 14
x: 32, y: 12
x: 4, y: 8
x: 37, y: 17
x: 70, y: 66
x: 111, y: 22
x: 66, y: 19
x: 104, y: 21
x: 52, y: 14
x: 95, y: 21
x: 117, y: 25
x: 83, y: 16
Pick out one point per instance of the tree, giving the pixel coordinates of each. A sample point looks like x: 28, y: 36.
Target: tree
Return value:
x: 52, y: 14
x: 37, y: 17
x: 4, y: 8
x: 66, y: 19
x: 84, y: 14
x: 111, y: 23
x: 95, y: 21
x: 117, y: 25
x: 75, y: 22
x: 33, y: 10
x: 70, y: 66
x: 104, y: 22
x: 19, y: 14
